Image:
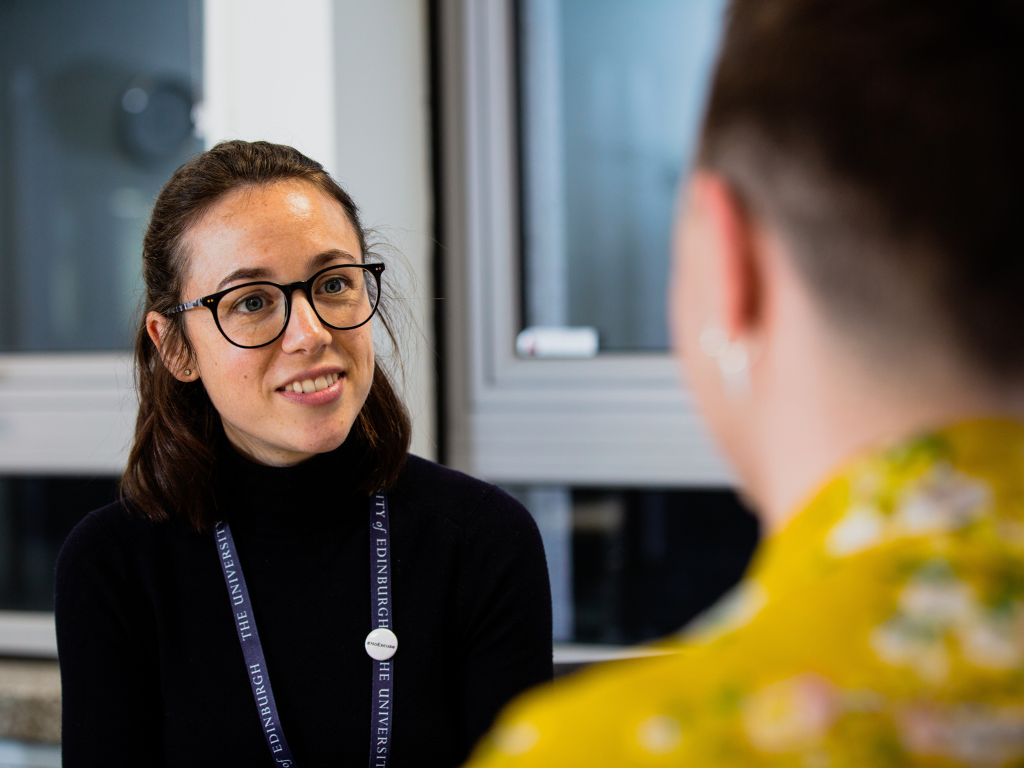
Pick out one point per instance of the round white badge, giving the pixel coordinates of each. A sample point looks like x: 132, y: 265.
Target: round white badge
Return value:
x: 381, y: 644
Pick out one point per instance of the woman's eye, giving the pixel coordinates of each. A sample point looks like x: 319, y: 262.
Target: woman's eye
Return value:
x: 252, y: 304
x: 334, y: 285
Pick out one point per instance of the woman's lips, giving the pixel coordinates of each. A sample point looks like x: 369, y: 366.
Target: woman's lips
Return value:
x: 327, y: 395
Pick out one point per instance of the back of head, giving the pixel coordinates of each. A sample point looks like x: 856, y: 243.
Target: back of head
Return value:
x: 882, y: 139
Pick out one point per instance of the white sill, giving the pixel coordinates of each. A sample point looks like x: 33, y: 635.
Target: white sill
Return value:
x: 580, y: 653
x: 30, y: 634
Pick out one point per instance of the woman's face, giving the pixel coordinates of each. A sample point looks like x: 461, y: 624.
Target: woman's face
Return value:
x: 283, y: 233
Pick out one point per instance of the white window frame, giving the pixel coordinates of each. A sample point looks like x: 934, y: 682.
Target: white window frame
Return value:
x: 614, y: 420
x: 66, y: 413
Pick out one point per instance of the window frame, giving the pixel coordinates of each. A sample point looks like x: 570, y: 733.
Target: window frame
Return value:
x: 617, y: 419
x: 61, y: 414
x: 66, y: 413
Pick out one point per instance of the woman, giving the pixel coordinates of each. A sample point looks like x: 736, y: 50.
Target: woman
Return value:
x: 847, y: 301
x: 282, y: 584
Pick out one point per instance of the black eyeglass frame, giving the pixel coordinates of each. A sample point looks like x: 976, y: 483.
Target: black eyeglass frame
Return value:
x: 306, y: 286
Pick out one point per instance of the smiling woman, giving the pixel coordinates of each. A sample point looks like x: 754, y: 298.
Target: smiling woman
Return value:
x: 272, y: 226
x: 271, y: 443
x: 238, y: 214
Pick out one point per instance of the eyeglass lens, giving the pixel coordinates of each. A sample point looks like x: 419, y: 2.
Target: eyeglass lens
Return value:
x: 253, y: 315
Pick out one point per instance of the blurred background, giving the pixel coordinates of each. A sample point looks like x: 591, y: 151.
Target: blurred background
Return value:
x: 519, y: 162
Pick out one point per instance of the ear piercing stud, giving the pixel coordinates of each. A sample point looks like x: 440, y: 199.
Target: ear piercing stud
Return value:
x: 733, y: 358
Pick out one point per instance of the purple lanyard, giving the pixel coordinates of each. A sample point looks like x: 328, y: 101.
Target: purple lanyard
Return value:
x: 381, y: 611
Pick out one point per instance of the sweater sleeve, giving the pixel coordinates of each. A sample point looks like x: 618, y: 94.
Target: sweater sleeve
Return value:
x: 110, y: 685
x: 506, y: 610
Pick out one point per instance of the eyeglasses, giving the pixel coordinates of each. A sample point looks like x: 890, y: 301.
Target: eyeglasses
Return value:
x: 253, y: 315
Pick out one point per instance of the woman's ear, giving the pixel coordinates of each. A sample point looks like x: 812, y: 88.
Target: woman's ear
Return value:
x: 181, y: 367
x: 739, y: 260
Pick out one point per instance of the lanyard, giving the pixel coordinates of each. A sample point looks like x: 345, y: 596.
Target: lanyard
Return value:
x: 380, y: 644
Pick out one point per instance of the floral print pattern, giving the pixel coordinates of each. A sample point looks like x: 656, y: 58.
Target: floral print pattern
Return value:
x: 883, y: 626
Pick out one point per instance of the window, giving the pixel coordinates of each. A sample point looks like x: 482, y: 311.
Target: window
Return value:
x: 97, y: 111
x: 105, y: 92
x: 629, y: 565
x: 610, y: 99
x: 36, y: 515
x: 565, y: 127
x: 545, y: 226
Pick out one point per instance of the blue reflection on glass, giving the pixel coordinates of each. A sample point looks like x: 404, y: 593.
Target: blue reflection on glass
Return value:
x: 612, y: 94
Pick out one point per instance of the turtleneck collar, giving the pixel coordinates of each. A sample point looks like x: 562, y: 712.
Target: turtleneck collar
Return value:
x: 317, y: 494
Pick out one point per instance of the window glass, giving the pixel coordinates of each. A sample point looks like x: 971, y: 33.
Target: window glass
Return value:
x: 611, y: 97
x: 36, y: 515
x: 630, y: 565
x: 96, y: 112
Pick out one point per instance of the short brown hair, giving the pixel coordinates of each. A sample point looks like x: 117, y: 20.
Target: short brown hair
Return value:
x: 884, y: 139
x: 173, y: 459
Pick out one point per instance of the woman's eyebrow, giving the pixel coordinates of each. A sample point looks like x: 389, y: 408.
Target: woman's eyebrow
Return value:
x: 323, y: 259
x: 246, y: 273
x: 263, y: 273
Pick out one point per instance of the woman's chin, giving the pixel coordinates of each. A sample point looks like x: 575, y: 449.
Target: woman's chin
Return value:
x: 323, y: 443
x: 285, y: 450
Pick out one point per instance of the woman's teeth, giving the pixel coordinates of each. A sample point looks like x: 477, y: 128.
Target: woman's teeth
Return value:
x: 313, y: 385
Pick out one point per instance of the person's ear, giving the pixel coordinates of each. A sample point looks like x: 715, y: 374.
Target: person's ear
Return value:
x: 181, y: 368
x: 739, y: 271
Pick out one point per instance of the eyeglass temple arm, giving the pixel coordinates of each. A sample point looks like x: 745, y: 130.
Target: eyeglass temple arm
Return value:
x: 183, y: 307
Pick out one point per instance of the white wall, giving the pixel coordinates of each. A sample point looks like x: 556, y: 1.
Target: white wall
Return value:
x: 268, y: 73
x: 347, y: 83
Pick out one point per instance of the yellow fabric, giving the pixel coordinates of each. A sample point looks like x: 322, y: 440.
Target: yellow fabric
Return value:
x: 883, y: 626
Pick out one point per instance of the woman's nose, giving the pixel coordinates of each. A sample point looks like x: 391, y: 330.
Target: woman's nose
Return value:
x: 305, y: 332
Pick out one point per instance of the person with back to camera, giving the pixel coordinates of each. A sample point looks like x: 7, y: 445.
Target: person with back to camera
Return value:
x: 847, y: 298
x: 274, y: 534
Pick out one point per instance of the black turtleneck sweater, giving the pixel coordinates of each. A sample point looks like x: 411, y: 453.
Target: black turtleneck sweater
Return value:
x: 151, y: 666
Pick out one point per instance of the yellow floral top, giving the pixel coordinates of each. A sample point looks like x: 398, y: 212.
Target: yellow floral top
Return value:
x: 883, y: 626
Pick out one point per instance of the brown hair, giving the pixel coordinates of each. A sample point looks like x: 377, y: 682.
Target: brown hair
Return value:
x: 173, y: 460
x: 883, y: 139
